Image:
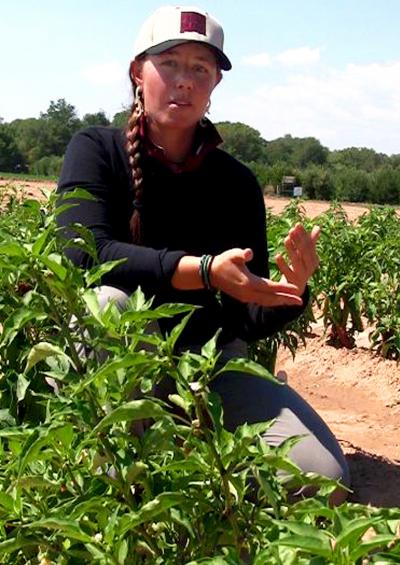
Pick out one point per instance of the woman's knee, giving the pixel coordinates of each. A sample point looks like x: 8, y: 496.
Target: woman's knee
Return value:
x: 312, y: 456
x: 317, y: 450
x: 325, y: 460
x: 106, y: 294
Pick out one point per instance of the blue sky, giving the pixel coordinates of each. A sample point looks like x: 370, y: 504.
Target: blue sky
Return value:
x: 328, y: 69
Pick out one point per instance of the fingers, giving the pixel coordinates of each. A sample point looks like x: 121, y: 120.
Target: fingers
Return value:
x: 315, y: 233
x: 247, y: 254
x: 279, y: 300
x: 271, y: 293
x: 297, y: 249
x: 302, y: 253
x: 286, y: 288
x: 229, y: 273
x: 283, y: 266
x: 301, y: 247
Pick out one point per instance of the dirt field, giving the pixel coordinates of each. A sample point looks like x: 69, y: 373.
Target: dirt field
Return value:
x: 313, y: 207
x: 356, y: 393
x: 27, y: 189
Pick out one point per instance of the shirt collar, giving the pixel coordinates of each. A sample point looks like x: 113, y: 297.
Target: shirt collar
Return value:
x: 206, y: 139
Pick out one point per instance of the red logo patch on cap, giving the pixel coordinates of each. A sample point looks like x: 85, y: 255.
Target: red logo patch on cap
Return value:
x: 192, y: 21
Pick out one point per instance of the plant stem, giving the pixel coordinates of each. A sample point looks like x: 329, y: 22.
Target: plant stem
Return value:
x: 64, y: 328
x: 222, y: 471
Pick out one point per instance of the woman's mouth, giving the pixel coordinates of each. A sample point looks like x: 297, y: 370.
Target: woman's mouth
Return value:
x: 179, y: 104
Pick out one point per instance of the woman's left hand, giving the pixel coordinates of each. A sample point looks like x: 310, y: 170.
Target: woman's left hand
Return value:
x: 303, y: 257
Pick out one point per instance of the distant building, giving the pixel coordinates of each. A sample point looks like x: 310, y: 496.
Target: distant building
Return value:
x: 286, y: 187
x: 289, y: 187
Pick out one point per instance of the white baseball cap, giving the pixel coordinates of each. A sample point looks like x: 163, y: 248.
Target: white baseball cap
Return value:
x: 172, y: 25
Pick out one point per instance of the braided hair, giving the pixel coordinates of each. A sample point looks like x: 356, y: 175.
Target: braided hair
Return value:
x: 133, y: 147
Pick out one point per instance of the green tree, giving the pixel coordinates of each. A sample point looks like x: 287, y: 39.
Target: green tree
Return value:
x: 61, y: 122
x: 308, y: 150
x: 296, y: 151
x: 11, y: 159
x: 49, y: 166
x: 358, y: 157
x: 242, y: 141
x: 277, y: 171
x: 97, y: 119
x: 280, y: 149
x: 48, y: 135
x: 386, y: 186
x: 394, y: 160
x: 317, y: 182
x: 31, y: 139
x: 260, y: 170
x: 351, y: 184
x: 120, y: 118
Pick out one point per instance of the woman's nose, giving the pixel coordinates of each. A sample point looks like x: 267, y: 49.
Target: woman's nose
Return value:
x: 185, y: 79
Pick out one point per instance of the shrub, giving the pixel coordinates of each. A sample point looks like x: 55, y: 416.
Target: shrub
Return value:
x: 48, y: 166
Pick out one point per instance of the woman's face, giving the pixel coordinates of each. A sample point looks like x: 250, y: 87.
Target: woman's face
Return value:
x: 177, y: 84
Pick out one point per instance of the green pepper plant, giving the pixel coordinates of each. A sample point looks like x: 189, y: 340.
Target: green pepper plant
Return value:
x: 96, y: 468
x: 265, y: 351
x: 380, y: 228
x: 338, y: 283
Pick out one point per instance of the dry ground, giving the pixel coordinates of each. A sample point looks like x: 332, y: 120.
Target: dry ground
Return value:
x: 26, y: 189
x: 356, y: 393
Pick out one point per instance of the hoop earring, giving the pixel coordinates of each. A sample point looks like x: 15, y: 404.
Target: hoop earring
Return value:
x: 139, y: 101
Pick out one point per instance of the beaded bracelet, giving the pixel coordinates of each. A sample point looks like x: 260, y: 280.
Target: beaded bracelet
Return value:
x: 204, y: 270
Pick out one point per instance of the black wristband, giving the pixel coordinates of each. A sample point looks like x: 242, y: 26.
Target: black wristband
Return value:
x: 204, y: 270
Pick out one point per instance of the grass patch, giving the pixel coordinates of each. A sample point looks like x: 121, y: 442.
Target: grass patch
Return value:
x: 26, y: 177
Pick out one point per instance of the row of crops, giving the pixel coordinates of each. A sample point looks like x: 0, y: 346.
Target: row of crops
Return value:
x: 357, y: 286
x: 81, y: 481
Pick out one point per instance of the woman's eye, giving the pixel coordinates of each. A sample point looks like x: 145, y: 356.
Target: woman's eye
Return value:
x: 200, y: 69
x: 169, y: 63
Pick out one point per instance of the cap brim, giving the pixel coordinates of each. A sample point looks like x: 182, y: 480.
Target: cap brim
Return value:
x: 223, y: 60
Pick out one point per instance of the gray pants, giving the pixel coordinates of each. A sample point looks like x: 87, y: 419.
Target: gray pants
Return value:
x: 246, y: 398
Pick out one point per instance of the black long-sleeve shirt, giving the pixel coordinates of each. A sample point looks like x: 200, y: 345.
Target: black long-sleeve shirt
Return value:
x: 217, y: 206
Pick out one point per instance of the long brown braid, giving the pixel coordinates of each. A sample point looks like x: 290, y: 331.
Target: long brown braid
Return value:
x: 133, y: 147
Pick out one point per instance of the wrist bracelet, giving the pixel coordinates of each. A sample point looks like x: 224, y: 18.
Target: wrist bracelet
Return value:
x: 204, y: 270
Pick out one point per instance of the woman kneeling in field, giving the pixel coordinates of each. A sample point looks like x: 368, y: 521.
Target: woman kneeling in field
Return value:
x: 190, y: 221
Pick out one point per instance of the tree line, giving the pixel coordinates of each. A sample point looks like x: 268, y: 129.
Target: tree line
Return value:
x: 353, y: 174
x: 37, y: 146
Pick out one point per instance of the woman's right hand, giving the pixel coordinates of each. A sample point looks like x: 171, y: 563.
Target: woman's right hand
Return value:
x: 229, y: 274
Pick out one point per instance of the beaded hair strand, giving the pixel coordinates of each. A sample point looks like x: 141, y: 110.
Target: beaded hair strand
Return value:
x: 133, y: 146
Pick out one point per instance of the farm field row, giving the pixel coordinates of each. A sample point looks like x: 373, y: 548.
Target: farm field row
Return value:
x: 33, y: 189
x: 357, y: 393
x: 348, y: 374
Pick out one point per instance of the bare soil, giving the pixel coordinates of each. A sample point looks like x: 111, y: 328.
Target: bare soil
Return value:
x: 358, y: 395
x: 26, y: 189
x: 314, y: 208
x: 355, y: 392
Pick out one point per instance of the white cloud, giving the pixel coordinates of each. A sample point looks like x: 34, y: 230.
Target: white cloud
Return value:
x: 258, y: 60
x: 104, y: 74
x: 301, y: 56
x: 358, y: 105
